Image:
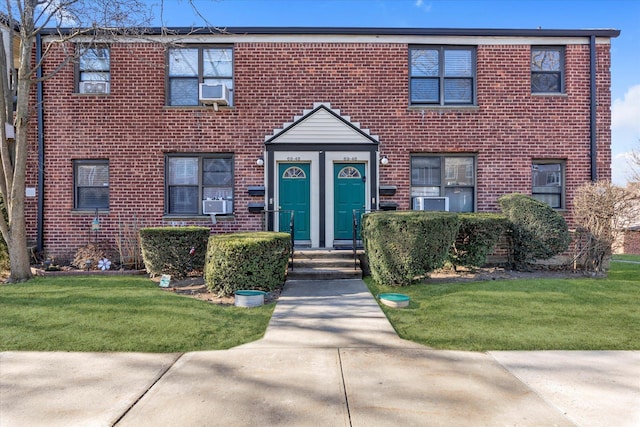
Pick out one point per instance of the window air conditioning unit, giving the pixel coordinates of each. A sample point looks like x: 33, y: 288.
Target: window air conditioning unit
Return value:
x: 214, y: 94
x: 431, y: 204
x: 94, y: 87
x: 216, y: 207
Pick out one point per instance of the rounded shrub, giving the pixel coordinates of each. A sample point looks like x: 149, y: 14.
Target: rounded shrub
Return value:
x: 403, y: 247
x: 477, y: 238
x: 537, y: 231
x: 251, y: 260
x: 173, y: 250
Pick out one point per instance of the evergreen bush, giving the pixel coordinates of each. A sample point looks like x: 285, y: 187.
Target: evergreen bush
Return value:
x: 251, y: 260
x: 173, y: 250
x: 537, y: 231
x: 403, y: 247
x: 477, y: 238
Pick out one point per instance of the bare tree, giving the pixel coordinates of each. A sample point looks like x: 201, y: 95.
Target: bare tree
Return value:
x: 602, y: 210
x: 24, y: 19
x: 634, y: 161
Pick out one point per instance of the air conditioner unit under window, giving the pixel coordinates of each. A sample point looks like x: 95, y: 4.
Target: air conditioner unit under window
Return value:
x: 94, y: 87
x: 214, y: 94
x: 431, y: 203
x: 216, y: 207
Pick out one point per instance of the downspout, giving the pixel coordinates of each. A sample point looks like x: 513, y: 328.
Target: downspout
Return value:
x: 593, y: 108
x: 40, y: 109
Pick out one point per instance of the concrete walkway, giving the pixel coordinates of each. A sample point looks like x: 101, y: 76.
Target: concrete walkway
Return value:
x: 329, y: 357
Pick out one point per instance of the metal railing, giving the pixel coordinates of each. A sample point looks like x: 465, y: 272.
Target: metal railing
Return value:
x: 268, y: 224
x: 357, y: 227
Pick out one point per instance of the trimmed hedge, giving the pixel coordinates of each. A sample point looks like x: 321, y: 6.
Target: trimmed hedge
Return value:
x: 537, y: 231
x: 256, y: 261
x: 403, y: 247
x: 173, y: 250
x: 477, y: 238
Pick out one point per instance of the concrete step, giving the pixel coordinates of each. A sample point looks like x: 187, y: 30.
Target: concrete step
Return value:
x: 324, y: 264
x: 307, y: 273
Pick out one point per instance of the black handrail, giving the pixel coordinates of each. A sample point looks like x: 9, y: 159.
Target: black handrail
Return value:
x: 356, y: 226
x: 291, y: 227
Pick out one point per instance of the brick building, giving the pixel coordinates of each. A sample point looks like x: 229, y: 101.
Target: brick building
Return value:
x: 319, y: 121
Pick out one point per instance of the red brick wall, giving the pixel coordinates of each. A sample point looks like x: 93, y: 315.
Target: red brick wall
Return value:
x: 275, y: 82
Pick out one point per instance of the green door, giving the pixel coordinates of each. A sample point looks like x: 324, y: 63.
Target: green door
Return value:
x: 349, y: 192
x: 294, y: 195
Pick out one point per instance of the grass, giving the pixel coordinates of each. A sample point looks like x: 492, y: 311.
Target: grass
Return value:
x: 128, y: 313
x: 549, y: 314
x: 625, y: 257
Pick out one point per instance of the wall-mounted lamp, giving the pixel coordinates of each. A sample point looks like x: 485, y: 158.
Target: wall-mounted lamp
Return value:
x: 260, y: 161
x: 384, y: 160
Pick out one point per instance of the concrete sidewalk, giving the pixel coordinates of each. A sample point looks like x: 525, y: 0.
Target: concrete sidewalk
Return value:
x: 329, y: 357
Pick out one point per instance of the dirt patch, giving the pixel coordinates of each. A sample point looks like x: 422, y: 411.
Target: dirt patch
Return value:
x: 500, y: 273
x: 194, y: 287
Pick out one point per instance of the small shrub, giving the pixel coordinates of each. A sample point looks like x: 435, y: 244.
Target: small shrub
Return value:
x: 537, y: 231
x: 87, y: 257
x: 173, y: 250
x: 247, y: 261
x: 476, y: 239
x: 403, y: 247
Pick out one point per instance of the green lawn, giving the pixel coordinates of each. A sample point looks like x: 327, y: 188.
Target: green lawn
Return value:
x: 550, y: 314
x: 129, y: 313
x: 626, y: 257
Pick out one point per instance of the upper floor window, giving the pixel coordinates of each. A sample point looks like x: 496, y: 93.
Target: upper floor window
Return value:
x: 547, y: 69
x: 94, y: 70
x: 548, y: 182
x: 189, y: 67
x: 91, y: 184
x: 449, y: 179
x: 442, y: 75
x: 193, y: 179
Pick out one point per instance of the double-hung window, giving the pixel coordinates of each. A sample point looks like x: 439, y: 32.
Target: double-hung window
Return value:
x: 442, y: 75
x: 547, y: 69
x: 91, y: 184
x: 189, y: 67
x: 191, y: 179
x: 548, y: 182
x: 94, y: 73
x: 447, y: 176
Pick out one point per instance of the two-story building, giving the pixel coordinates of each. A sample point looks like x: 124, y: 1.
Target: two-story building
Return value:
x: 315, y: 121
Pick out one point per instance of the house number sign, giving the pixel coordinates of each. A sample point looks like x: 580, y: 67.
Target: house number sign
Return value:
x: 350, y: 159
x: 295, y: 159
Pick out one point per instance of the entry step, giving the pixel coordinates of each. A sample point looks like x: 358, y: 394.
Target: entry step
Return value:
x: 324, y: 264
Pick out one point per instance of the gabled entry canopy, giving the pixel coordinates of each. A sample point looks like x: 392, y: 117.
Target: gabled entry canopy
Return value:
x: 321, y: 125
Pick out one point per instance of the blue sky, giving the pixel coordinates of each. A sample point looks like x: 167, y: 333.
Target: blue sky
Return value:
x: 623, y: 15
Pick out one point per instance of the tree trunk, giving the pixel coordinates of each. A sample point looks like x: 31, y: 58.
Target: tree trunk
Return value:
x: 19, y: 257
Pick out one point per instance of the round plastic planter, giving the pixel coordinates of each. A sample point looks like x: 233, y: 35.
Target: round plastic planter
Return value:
x: 394, y: 300
x: 249, y: 298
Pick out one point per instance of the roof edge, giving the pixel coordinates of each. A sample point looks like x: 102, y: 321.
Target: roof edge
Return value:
x: 483, y: 32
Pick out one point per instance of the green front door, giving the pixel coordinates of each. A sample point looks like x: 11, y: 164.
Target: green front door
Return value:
x: 349, y: 194
x: 294, y: 195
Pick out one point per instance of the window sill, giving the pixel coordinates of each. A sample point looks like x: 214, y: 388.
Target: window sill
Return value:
x: 199, y: 107
x: 82, y: 95
x: 444, y: 107
x: 89, y: 211
x: 552, y: 94
x: 223, y: 217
